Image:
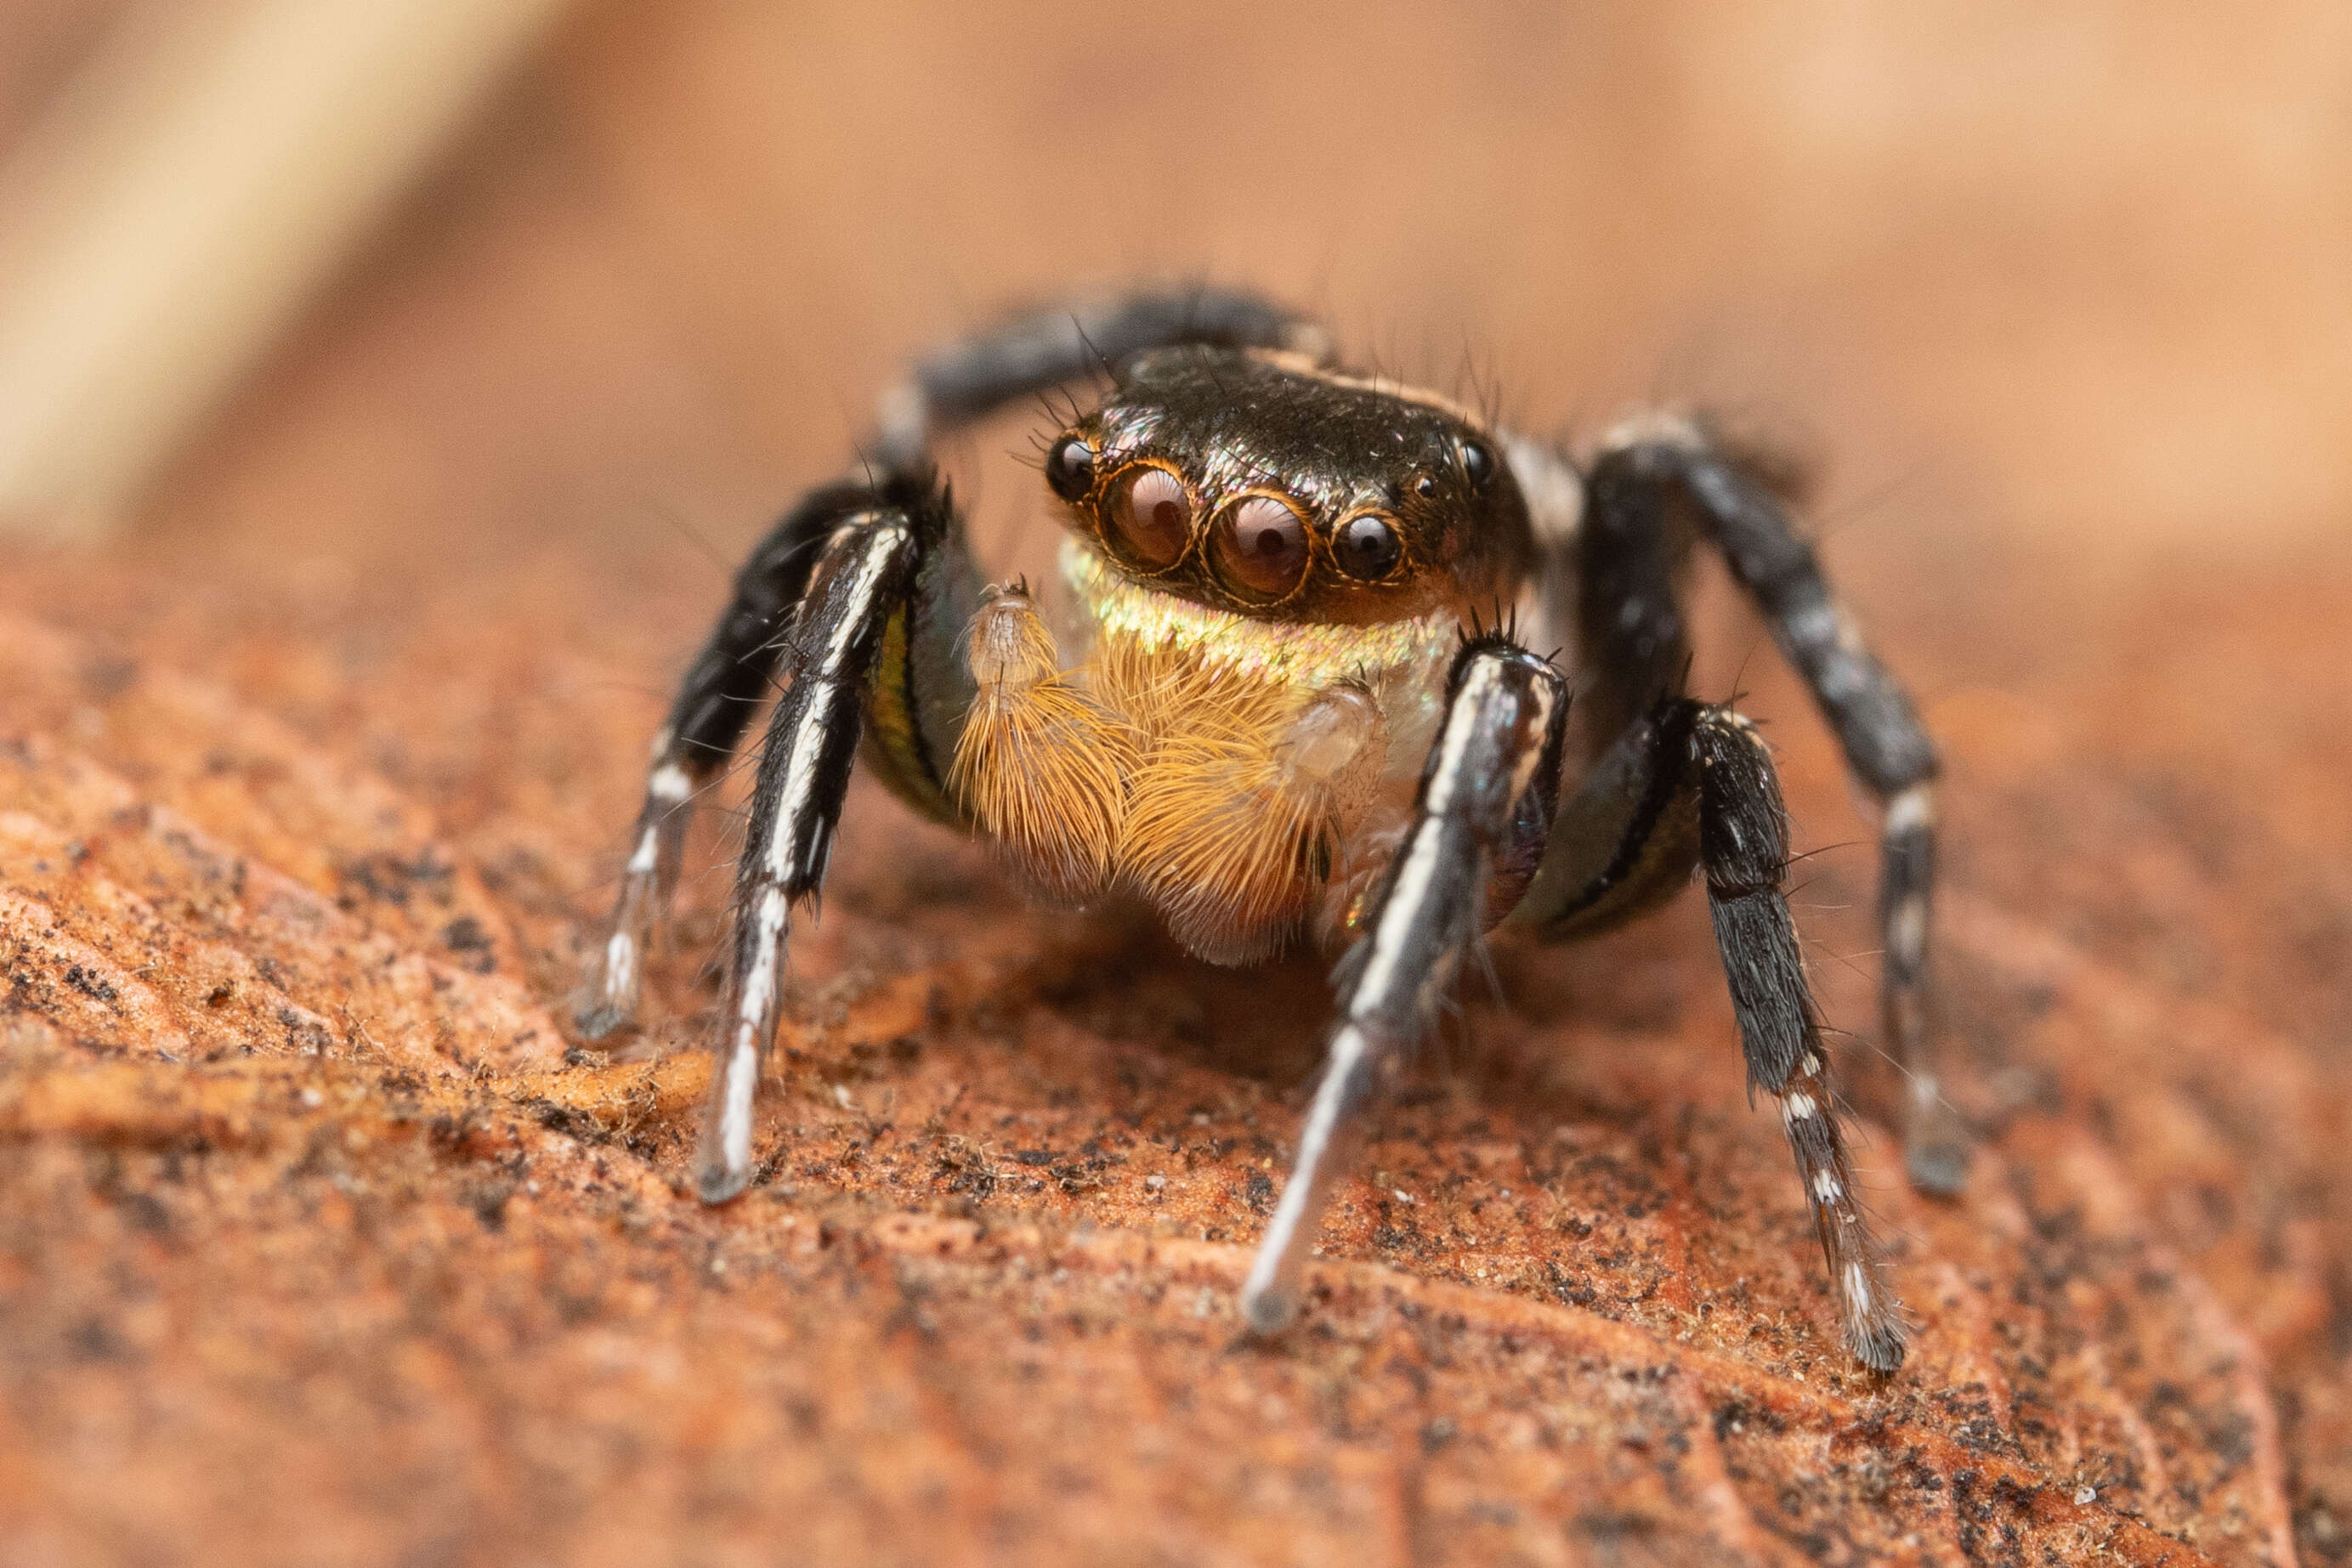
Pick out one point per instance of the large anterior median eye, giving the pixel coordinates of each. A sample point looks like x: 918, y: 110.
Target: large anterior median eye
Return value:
x: 1259, y: 548
x: 1152, y: 518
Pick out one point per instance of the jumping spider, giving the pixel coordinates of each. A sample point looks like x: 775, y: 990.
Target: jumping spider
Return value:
x: 1273, y: 718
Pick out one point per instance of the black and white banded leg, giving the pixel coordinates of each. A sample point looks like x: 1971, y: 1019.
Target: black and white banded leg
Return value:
x: 1496, y: 752
x: 863, y: 577
x: 1635, y: 473
x: 1689, y: 785
x: 714, y: 706
x: 1744, y: 852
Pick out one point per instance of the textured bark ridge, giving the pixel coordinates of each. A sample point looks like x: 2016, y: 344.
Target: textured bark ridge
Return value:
x: 318, y: 1240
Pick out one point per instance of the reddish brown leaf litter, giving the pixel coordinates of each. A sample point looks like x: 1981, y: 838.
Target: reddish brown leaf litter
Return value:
x: 317, y: 1244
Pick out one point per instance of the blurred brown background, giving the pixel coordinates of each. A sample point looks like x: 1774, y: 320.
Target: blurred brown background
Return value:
x: 2071, y: 266
x: 317, y: 1250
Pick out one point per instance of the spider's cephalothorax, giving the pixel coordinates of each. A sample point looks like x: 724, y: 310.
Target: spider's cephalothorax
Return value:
x: 1259, y: 483
x: 1270, y: 565
x: 1264, y: 715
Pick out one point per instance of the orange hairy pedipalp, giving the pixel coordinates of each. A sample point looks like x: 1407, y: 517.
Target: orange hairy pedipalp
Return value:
x: 1236, y: 816
x: 1041, y: 766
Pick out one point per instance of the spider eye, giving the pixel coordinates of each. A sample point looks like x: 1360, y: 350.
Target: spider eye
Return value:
x: 1477, y: 460
x: 1259, y: 548
x: 1070, y: 467
x: 1425, y: 486
x: 1151, y: 516
x: 1366, y: 549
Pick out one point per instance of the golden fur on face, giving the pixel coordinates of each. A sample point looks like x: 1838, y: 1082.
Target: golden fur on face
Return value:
x: 1215, y: 766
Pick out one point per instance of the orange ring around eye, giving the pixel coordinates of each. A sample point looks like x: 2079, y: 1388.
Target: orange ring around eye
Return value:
x: 1260, y: 549
x: 1366, y: 547
x: 1148, y: 521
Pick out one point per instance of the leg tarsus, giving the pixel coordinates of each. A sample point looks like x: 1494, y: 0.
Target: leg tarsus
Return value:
x: 754, y: 993
x: 1935, y: 1142
x: 615, y: 978
x: 1357, y: 1063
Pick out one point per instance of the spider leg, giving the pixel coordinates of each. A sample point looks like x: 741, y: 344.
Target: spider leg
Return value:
x: 715, y: 702
x: 863, y: 578
x: 1497, y: 746
x: 1632, y: 487
x: 1686, y: 785
x: 969, y: 379
x: 1744, y: 847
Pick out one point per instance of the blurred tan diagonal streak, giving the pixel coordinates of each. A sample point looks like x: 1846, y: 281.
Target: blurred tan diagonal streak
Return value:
x: 182, y: 200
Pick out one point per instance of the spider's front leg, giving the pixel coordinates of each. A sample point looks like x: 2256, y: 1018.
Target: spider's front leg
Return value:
x: 724, y: 687
x: 864, y: 577
x: 1496, y: 763
x: 1744, y: 850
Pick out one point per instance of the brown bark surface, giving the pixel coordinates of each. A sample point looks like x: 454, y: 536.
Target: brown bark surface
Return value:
x: 321, y: 1243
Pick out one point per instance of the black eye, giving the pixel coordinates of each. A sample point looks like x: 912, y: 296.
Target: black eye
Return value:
x: 1070, y: 467
x: 1425, y: 486
x: 1477, y: 461
x: 1259, y: 548
x: 1152, y: 518
x: 1366, y: 549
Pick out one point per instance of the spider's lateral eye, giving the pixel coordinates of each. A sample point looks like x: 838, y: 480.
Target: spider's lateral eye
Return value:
x: 1070, y: 467
x: 1152, y: 518
x: 1477, y: 460
x: 1259, y: 548
x: 1366, y: 548
x: 1425, y: 486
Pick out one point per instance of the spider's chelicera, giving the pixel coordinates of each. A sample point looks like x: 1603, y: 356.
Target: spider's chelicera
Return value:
x: 1268, y: 719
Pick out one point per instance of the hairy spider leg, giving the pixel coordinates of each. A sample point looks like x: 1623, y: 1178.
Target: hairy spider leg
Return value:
x: 1632, y: 482
x: 861, y: 584
x: 1626, y: 577
x: 1744, y: 849
x: 968, y: 381
x: 1689, y: 785
x: 714, y: 706
x: 1499, y: 744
